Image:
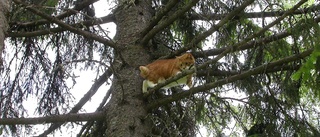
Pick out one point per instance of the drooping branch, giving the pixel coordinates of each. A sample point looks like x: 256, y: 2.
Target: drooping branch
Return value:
x: 214, y: 28
x: 167, y: 22
x: 94, y: 88
x: 54, y: 119
x: 66, y: 26
x: 206, y: 87
x: 102, y: 20
x: 213, y: 16
x: 79, y: 6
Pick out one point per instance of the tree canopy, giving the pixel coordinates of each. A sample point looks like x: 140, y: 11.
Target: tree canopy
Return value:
x: 257, y: 67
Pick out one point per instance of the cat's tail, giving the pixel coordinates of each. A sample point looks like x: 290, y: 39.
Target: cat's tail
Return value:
x: 144, y: 71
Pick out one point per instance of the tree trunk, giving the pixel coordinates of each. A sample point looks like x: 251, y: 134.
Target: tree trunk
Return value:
x: 4, y: 9
x: 126, y: 113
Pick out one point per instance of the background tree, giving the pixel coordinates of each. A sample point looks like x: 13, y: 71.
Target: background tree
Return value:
x: 257, y: 67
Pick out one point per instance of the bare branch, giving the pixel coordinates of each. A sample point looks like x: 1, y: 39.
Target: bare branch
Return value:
x: 87, y: 60
x: 54, y: 119
x: 102, y: 79
x: 206, y: 87
x: 102, y: 20
x: 167, y: 22
x: 66, y: 26
x: 94, y: 88
x: 102, y: 104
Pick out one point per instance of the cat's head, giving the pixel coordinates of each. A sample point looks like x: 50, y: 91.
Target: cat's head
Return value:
x: 186, y: 61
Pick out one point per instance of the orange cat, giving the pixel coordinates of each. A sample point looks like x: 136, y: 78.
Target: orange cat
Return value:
x: 160, y: 70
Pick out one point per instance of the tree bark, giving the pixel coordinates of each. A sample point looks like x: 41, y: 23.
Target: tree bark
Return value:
x: 126, y: 113
x: 4, y: 9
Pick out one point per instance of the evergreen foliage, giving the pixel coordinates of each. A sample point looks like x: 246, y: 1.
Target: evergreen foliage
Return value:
x: 258, y: 65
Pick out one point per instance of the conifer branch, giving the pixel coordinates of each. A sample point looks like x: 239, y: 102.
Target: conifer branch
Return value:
x: 214, y: 28
x: 207, y: 87
x: 167, y: 22
x: 220, y: 73
x: 54, y: 119
x: 77, y: 7
x: 213, y: 16
x: 252, y: 44
x: 207, y: 33
x: 228, y: 49
x: 67, y: 26
x: 159, y: 16
x: 101, y: 20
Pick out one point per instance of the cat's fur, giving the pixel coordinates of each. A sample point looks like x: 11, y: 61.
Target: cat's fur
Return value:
x: 160, y: 70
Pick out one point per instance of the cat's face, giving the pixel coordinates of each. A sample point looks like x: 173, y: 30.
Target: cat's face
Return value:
x: 186, y: 61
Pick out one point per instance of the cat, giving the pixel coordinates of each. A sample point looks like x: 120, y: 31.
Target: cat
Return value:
x: 161, y: 70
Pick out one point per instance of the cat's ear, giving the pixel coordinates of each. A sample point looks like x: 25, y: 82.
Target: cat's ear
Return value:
x: 143, y: 68
x: 144, y: 71
x: 189, y: 55
x: 179, y: 57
